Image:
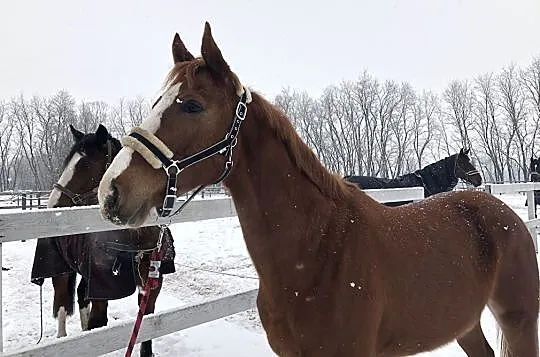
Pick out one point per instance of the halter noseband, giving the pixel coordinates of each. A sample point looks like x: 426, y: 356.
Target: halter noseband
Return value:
x: 79, y: 199
x: 158, y: 155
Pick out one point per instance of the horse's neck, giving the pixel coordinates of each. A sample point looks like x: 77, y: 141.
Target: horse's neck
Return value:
x: 279, y: 208
x: 438, y: 177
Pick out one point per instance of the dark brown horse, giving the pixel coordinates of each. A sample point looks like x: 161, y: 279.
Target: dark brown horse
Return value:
x: 340, y: 274
x: 440, y: 176
x: 534, y: 176
x: 110, y: 263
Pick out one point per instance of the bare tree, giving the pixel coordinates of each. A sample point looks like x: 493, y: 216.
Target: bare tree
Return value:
x: 402, y: 128
x: 365, y: 96
x: 26, y: 129
x: 91, y: 114
x: 8, y: 154
x: 119, y: 118
x: 512, y: 102
x: 138, y: 109
x: 459, y: 99
x: 487, y: 126
x: 530, y: 78
x: 424, y: 112
x: 388, y: 101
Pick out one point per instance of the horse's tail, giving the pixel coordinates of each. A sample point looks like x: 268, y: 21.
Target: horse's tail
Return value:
x: 505, y: 350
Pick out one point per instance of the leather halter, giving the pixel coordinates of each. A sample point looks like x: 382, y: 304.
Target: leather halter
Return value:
x: 81, y: 199
x: 151, y: 144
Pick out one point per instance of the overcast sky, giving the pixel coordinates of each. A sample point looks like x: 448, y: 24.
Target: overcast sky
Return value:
x: 104, y: 50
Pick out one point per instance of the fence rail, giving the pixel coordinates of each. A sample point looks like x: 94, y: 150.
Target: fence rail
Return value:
x: 529, y: 187
x: 111, y: 338
x: 64, y: 221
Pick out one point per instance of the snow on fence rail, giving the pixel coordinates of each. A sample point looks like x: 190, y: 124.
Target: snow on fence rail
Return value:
x: 26, y: 225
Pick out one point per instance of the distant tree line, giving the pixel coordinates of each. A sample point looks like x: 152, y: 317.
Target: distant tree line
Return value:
x: 370, y: 127
x: 363, y: 126
x: 35, y: 136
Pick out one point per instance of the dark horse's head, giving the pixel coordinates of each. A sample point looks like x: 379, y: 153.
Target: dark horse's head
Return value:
x: 534, y: 169
x: 465, y: 170
x: 89, y: 157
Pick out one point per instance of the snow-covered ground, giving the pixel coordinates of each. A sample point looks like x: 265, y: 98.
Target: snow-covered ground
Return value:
x: 202, y: 249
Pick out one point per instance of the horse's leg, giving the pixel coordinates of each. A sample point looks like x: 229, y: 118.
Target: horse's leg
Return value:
x: 514, y: 301
x: 84, y: 304
x: 146, y: 346
x: 98, y: 314
x: 474, y: 343
x: 520, y: 333
x: 64, y: 299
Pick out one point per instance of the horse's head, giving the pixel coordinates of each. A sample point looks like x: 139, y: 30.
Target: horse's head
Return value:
x: 190, y: 131
x: 465, y: 170
x: 534, y: 169
x: 84, y: 166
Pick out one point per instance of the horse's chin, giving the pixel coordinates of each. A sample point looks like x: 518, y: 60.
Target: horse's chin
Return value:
x: 141, y: 216
x: 130, y: 220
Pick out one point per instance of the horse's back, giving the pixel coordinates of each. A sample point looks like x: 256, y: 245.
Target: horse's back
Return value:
x: 458, y: 249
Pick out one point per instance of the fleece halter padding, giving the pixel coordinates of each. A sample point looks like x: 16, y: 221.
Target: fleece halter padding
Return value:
x: 142, y: 149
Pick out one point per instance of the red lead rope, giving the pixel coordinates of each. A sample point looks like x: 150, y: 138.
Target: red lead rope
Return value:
x: 151, y: 283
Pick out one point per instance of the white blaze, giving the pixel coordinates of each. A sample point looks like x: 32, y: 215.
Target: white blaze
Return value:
x: 66, y: 176
x: 153, y: 121
x: 151, y: 124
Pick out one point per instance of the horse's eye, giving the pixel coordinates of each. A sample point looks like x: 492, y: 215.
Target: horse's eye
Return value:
x: 190, y: 106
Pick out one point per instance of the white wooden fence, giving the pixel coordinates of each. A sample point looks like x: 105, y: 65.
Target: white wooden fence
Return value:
x: 532, y: 223
x: 26, y: 225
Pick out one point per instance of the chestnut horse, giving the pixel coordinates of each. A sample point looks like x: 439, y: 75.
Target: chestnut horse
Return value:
x: 111, y: 263
x: 340, y: 274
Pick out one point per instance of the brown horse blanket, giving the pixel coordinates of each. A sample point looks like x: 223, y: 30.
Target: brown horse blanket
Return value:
x: 107, y: 260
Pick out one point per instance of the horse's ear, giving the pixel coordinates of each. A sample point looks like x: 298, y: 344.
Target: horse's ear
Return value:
x: 77, y: 135
x: 212, y: 54
x: 179, y: 51
x: 102, y: 134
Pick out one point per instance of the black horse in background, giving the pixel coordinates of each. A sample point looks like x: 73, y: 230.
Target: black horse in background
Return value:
x: 111, y: 263
x: 440, y: 176
x: 534, y: 172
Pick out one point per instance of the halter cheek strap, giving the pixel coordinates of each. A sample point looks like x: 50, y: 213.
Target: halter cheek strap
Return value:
x: 158, y: 154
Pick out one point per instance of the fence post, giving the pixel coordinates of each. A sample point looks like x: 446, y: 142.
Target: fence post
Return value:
x: 23, y: 201
x: 531, y: 205
x: 1, y: 306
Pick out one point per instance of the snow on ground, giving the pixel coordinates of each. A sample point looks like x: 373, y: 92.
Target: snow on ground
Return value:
x: 202, y: 249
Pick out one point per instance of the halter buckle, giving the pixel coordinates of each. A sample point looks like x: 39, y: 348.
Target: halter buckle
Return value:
x: 241, y: 110
x: 77, y: 199
x: 168, y: 202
